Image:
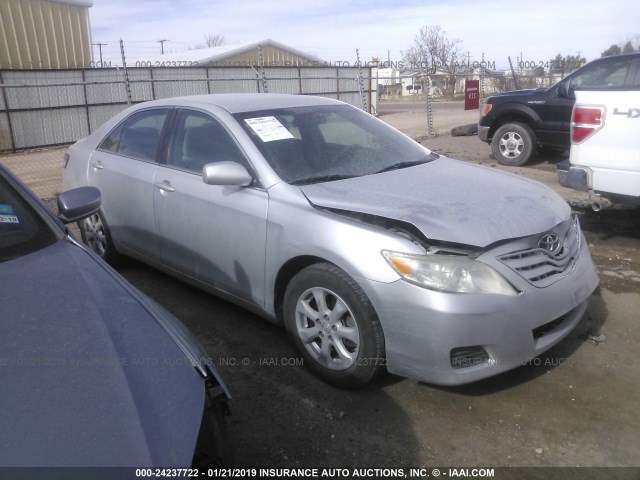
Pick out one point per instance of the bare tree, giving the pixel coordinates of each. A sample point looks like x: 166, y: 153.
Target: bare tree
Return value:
x: 432, y: 50
x: 210, y: 41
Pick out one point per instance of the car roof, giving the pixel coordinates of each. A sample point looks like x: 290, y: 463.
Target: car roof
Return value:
x: 245, y: 102
x: 612, y: 58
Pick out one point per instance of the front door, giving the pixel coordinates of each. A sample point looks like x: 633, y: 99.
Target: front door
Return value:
x: 213, y: 233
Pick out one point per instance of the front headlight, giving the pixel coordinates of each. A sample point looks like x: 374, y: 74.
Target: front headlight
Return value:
x: 449, y: 273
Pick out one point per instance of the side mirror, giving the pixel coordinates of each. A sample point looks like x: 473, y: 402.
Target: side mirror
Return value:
x: 226, y: 173
x: 563, y: 89
x: 79, y: 203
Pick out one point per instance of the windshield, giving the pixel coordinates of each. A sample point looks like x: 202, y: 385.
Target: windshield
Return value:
x: 322, y: 143
x: 22, y: 230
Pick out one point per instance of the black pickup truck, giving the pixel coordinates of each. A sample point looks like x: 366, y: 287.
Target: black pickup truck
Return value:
x: 518, y: 123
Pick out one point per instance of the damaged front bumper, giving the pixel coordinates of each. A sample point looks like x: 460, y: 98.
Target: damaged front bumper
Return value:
x: 453, y: 338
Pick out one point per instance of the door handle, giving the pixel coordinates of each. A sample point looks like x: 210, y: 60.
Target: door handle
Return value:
x: 97, y: 164
x: 165, y: 186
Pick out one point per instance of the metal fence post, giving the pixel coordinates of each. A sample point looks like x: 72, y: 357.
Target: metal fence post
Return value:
x: 153, y: 84
x: 6, y: 105
x: 127, y: 85
x: 430, y: 132
x: 265, y: 88
x: 482, y: 72
x: 86, y: 100
x: 361, y: 83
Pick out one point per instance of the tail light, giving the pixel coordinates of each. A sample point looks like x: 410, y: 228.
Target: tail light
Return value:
x: 585, y: 121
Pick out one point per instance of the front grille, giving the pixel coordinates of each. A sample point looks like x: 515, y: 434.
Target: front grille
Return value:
x: 542, y: 268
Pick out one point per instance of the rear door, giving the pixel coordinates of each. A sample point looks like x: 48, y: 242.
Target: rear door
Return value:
x: 215, y: 234
x: 123, y: 168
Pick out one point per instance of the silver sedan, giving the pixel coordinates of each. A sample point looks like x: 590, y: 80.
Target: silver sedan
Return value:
x: 374, y: 253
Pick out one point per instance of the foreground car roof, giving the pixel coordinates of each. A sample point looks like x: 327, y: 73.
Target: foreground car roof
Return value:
x: 246, y: 102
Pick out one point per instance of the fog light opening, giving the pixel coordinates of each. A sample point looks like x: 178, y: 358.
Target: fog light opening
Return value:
x: 465, y: 357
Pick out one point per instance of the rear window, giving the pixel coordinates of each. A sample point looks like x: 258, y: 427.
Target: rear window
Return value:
x: 22, y: 230
x: 138, y: 136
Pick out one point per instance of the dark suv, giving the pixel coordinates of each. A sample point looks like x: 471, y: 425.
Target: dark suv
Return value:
x: 517, y: 123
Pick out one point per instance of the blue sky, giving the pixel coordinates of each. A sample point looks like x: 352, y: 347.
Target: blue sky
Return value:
x: 333, y: 29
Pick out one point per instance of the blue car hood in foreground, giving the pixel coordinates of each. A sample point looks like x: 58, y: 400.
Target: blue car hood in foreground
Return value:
x: 89, y: 377
x: 449, y: 201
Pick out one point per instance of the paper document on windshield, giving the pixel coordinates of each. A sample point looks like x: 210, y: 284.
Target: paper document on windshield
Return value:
x: 268, y: 128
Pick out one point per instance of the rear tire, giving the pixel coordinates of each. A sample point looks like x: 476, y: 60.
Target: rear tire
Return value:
x: 95, y: 235
x: 334, y: 326
x: 513, y: 144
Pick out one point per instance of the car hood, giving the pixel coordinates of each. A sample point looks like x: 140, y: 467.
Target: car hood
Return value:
x: 519, y: 93
x: 89, y: 376
x: 449, y: 201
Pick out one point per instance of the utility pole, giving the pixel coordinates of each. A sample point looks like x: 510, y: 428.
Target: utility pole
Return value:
x: 100, y: 45
x: 161, y: 42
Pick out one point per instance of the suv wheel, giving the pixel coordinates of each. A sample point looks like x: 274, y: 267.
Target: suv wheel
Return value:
x: 512, y: 144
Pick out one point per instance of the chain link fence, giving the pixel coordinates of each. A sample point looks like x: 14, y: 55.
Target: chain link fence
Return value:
x: 43, y: 111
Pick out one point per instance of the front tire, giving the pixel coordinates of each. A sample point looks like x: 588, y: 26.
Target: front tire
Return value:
x: 513, y: 144
x: 95, y: 234
x: 334, y: 326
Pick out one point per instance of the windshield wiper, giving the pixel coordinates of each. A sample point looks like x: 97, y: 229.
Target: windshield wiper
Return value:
x: 321, y: 178
x: 397, y: 166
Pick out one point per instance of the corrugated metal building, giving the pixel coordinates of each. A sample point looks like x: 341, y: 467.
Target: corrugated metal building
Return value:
x: 273, y: 54
x: 45, y: 34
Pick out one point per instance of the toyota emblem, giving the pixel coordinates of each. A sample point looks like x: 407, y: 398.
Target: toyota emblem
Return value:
x: 550, y: 242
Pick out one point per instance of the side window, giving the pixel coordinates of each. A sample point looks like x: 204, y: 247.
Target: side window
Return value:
x: 111, y: 142
x: 611, y: 74
x: 636, y: 82
x: 198, y: 139
x: 138, y: 136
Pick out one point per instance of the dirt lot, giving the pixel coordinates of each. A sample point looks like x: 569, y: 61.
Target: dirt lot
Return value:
x: 577, y: 405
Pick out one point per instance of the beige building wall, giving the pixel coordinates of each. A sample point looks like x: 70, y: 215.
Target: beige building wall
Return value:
x: 44, y: 34
x: 271, y: 56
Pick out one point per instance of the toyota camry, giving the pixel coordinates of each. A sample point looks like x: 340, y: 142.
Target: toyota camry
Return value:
x: 373, y: 252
